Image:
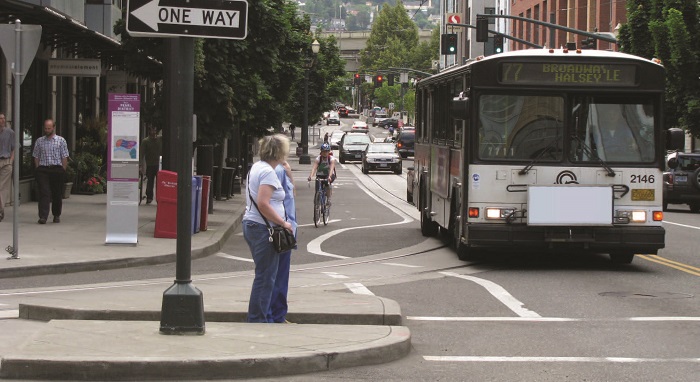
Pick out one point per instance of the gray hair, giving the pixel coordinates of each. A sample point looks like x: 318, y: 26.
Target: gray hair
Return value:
x: 274, y: 148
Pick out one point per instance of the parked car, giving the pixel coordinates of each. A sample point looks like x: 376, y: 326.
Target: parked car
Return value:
x: 335, y: 138
x: 386, y: 123
x: 381, y: 156
x: 359, y: 127
x: 333, y: 119
x: 352, y: 146
x: 682, y: 180
x: 405, y: 143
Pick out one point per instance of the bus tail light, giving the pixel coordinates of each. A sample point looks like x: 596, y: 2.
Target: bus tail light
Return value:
x: 658, y: 216
x: 399, y: 144
x: 473, y: 212
x: 627, y: 216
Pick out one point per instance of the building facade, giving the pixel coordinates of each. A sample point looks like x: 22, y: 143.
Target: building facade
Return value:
x: 71, y: 30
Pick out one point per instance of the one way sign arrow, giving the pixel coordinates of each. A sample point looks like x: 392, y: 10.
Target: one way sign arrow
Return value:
x: 205, y: 18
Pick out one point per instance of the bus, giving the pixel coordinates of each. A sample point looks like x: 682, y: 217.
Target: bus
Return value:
x: 543, y: 150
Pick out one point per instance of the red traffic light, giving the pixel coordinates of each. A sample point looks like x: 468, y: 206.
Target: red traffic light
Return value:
x: 357, y: 75
x: 380, y: 78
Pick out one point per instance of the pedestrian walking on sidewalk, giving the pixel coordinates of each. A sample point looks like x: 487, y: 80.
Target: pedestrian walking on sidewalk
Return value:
x: 278, y: 304
x: 291, y: 129
x: 265, y: 201
x: 50, y: 159
x: 151, y: 149
x: 7, y: 157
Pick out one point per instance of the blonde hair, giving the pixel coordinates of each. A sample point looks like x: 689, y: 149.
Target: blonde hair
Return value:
x: 274, y: 148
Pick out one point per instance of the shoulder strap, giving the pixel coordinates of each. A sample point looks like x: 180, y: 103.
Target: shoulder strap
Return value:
x: 256, y: 204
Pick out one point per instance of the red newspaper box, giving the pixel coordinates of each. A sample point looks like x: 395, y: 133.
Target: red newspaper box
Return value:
x: 206, y: 182
x: 166, y: 196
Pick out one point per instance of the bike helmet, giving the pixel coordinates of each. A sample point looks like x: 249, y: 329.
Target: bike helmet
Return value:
x: 325, y: 147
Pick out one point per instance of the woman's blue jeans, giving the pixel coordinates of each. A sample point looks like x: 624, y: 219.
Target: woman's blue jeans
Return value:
x: 266, y: 265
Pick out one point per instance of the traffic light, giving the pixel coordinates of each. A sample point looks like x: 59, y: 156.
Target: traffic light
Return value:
x: 449, y: 43
x: 498, y: 43
x: 390, y: 80
x: 482, y: 29
x: 589, y: 43
x: 378, y: 81
x: 357, y: 80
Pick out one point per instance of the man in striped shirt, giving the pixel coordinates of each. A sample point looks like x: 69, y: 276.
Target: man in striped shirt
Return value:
x: 51, y: 159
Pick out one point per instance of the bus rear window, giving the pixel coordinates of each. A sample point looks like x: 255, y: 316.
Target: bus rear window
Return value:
x: 520, y: 127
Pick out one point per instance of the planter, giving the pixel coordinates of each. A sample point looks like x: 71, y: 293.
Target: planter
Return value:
x: 66, y: 191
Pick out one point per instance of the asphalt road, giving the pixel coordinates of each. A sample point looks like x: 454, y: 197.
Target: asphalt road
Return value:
x: 510, y: 316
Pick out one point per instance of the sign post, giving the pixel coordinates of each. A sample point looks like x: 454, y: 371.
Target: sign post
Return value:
x: 20, y: 46
x: 183, y: 304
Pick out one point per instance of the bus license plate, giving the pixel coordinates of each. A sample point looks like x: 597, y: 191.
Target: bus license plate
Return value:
x: 643, y: 195
x: 681, y: 179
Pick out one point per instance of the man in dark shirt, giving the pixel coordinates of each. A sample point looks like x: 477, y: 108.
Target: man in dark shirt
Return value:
x: 7, y: 156
x: 151, y: 149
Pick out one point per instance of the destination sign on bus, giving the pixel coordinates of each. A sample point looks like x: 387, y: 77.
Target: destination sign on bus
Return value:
x: 564, y: 74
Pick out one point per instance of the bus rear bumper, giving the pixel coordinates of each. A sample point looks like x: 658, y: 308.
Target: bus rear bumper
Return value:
x: 646, y: 240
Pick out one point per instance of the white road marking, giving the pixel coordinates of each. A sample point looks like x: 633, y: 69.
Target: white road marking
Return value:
x: 557, y: 359
x: 682, y: 225
x: 335, y: 275
x: 492, y: 319
x: 552, y: 319
x: 9, y: 313
x: 314, y: 245
x: 358, y: 288
x: 310, y: 224
x: 221, y: 254
x: 404, y: 265
x: 499, y: 293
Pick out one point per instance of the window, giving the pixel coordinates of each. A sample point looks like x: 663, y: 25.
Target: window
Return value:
x: 612, y: 130
x: 520, y: 127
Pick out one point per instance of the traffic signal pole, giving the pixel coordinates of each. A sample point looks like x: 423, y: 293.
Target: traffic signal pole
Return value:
x: 528, y: 43
x: 550, y: 25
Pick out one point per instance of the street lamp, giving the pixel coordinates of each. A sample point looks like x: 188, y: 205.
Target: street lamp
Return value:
x: 304, y: 157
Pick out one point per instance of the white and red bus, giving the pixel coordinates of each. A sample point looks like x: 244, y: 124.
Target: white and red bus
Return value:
x: 547, y: 149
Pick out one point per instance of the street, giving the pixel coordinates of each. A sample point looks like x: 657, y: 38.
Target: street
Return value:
x: 504, y: 317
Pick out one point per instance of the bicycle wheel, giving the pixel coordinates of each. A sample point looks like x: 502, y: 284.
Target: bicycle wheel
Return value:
x: 326, y: 210
x: 317, y: 209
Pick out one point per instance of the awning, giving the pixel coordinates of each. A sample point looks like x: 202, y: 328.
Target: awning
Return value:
x: 62, y: 31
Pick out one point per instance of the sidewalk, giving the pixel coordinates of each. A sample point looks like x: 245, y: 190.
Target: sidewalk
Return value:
x: 111, y: 333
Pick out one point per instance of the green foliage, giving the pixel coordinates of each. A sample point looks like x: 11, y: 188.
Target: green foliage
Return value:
x: 668, y: 30
x: 392, y: 40
x: 85, y: 166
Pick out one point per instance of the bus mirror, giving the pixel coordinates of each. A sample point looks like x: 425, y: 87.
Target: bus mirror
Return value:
x: 675, y: 139
x: 460, y: 108
x: 673, y: 163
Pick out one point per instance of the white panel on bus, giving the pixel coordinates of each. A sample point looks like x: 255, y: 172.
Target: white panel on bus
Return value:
x: 570, y: 205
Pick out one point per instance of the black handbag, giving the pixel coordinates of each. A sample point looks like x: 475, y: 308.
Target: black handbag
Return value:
x: 281, y: 239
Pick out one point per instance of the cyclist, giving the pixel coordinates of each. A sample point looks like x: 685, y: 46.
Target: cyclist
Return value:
x: 324, y: 168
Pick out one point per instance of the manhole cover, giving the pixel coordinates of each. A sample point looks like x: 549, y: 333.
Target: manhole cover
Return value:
x: 646, y: 294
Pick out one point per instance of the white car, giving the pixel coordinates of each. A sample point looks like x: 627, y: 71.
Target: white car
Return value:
x: 359, y: 127
x: 333, y: 119
x: 335, y: 138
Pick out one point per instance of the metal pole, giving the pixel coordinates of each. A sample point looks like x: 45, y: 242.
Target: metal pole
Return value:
x: 183, y: 304
x: 18, y: 132
x: 304, y: 158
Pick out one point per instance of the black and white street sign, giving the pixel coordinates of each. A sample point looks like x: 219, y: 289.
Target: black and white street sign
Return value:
x: 201, y: 18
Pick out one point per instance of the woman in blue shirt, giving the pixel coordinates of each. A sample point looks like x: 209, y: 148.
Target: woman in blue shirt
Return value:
x: 265, y: 188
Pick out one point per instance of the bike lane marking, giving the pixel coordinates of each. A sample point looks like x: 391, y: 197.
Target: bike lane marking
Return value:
x: 499, y: 293
x: 314, y: 245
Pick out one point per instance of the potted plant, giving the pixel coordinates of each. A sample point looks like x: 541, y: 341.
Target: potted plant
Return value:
x: 69, y: 180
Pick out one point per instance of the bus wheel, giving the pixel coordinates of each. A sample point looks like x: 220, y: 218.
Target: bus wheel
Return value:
x: 464, y: 252
x: 695, y: 207
x: 621, y: 257
x: 427, y: 227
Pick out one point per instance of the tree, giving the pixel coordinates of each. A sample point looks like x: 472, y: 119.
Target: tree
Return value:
x: 392, y: 40
x: 668, y: 30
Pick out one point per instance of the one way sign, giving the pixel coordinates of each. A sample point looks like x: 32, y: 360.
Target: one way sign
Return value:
x: 201, y: 18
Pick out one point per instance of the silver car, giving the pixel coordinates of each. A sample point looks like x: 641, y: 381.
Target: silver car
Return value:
x: 381, y: 157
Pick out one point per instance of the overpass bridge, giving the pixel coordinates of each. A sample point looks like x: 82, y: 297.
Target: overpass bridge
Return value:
x: 350, y: 44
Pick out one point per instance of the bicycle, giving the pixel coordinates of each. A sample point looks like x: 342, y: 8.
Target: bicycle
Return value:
x: 322, y: 208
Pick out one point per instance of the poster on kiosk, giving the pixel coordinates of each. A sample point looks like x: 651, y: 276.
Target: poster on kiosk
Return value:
x: 123, y: 168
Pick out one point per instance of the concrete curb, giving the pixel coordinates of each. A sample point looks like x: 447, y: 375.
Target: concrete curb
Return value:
x: 84, y: 266
x: 174, y: 359
x: 391, y: 315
